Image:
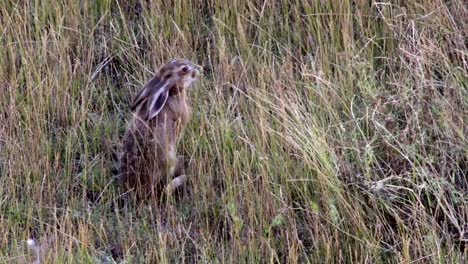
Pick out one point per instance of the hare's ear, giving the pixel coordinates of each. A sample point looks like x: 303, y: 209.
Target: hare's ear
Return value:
x: 158, y: 97
x: 156, y: 102
x: 143, y: 94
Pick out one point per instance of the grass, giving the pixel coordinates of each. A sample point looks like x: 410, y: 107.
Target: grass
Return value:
x: 322, y: 131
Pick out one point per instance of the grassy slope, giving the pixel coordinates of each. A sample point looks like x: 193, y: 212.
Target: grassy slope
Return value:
x: 323, y: 131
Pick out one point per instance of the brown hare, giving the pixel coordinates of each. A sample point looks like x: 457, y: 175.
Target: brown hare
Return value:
x: 160, y: 113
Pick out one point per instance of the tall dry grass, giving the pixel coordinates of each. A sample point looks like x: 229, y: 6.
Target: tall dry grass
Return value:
x: 323, y: 131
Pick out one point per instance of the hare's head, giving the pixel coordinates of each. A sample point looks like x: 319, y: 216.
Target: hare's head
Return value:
x: 173, y: 77
x: 183, y: 72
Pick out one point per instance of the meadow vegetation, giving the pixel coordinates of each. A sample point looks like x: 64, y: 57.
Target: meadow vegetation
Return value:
x: 322, y: 131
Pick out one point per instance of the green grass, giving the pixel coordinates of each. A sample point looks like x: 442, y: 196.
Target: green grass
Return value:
x: 322, y: 131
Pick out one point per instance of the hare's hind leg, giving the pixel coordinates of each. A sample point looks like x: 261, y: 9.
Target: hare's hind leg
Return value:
x: 179, y: 177
x: 176, y: 183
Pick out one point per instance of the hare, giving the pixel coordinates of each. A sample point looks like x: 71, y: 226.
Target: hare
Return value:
x: 161, y: 111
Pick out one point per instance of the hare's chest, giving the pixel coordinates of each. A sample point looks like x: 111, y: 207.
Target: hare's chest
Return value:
x: 181, y: 109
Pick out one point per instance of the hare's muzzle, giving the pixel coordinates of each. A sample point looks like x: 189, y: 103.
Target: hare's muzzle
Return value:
x: 197, y: 71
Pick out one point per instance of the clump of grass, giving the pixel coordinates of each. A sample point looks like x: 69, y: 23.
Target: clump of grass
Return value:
x: 326, y: 131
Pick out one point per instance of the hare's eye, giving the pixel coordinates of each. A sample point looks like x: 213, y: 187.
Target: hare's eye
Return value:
x: 167, y: 76
x: 184, y: 69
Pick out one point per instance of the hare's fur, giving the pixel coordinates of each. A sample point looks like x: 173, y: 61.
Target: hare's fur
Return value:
x: 149, y: 161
